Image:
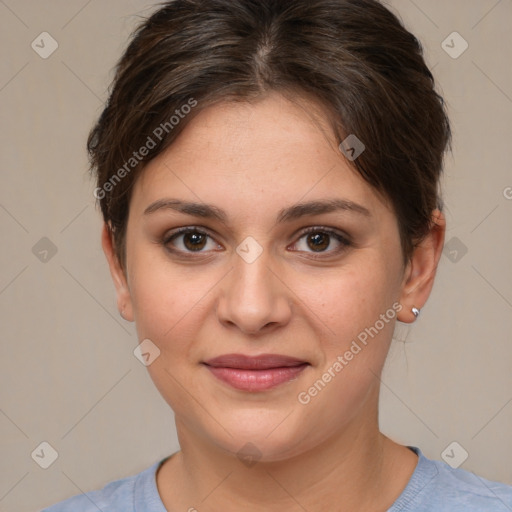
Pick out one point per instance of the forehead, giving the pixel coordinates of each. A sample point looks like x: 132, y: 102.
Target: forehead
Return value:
x: 235, y: 152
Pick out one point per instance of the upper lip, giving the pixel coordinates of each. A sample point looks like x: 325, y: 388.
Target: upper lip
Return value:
x: 261, y: 362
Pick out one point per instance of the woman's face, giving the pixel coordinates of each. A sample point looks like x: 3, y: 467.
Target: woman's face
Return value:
x: 248, y: 279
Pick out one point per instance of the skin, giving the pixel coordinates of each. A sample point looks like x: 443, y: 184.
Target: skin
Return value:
x: 251, y: 160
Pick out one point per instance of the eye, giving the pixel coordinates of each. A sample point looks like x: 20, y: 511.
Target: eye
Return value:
x: 321, y: 240
x: 187, y: 240
x: 318, y: 240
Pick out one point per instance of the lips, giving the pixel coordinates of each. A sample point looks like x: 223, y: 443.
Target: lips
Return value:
x: 262, y: 362
x: 255, y: 373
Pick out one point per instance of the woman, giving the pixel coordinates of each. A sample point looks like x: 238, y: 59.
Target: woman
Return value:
x: 268, y: 173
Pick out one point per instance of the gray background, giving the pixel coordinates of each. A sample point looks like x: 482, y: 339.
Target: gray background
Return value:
x: 69, y: 376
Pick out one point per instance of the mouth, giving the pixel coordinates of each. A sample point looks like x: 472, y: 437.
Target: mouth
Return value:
x: 259, y: 373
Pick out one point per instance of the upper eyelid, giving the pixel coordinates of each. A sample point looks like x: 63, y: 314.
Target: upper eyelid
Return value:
x: 207, y: 231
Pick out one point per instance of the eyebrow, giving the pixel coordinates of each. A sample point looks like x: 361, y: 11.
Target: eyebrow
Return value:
x: 288, y: 214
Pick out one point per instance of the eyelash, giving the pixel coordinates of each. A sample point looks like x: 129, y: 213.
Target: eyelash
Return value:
x: 342, y: 239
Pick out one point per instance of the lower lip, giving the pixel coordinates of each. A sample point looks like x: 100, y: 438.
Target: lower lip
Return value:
x: 256, y: 380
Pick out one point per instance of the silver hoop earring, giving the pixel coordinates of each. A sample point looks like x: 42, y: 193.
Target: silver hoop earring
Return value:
x: 415, y: 312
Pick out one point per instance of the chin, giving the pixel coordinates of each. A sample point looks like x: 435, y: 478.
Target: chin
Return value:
x: 262, y: 437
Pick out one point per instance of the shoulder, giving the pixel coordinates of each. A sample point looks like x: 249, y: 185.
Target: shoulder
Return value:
x: 470, y: 491
x: 436, y: 486
x: 116, y: 496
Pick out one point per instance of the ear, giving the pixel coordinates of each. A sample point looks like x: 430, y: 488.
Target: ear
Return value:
x: 421, y: 269
x: 124, y: 301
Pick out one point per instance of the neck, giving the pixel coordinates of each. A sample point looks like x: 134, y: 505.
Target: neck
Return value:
x: 356, y: 469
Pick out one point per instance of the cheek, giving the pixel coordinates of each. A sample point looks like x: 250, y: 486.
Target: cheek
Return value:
x: 350, y: 298
x: 161, y: 296
x: 357, y: 308
x: 358, y: 311
x: 168, y: 305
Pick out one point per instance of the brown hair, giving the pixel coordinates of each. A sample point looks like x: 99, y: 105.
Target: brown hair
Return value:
x: 353, y: 56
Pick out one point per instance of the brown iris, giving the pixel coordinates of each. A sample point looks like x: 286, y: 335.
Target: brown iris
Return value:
x: 194, y: 241
x: 320, y: 241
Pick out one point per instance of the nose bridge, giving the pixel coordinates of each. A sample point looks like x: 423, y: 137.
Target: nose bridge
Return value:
x: 253, y: 297
x: 252, y: 276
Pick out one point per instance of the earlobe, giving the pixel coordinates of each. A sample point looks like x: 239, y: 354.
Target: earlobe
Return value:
x: 124, y: 302
x: 421, y: 270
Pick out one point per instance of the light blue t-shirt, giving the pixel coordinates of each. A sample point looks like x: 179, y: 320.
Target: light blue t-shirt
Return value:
x: 433, y: 487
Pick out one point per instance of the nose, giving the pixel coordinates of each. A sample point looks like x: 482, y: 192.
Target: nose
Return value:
x: 254, y: 297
